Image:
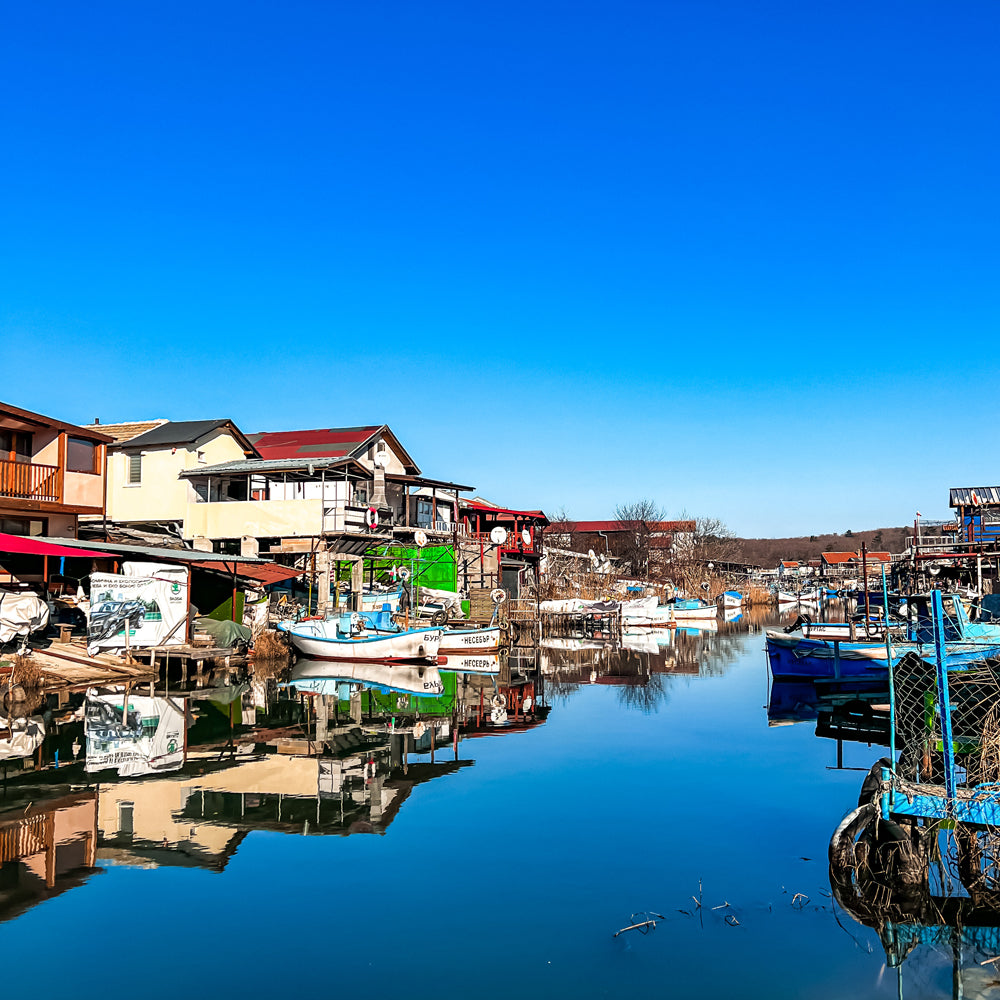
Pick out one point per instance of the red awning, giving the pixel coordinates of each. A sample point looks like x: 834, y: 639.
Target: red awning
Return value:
x: 26, y: 545
x: 264, y: 573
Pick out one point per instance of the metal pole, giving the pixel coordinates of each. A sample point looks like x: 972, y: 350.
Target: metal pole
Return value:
x: 944, y: 701
x: 888, y: 660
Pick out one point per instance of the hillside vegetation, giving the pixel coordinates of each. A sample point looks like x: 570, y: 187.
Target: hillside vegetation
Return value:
x: 769, y: 551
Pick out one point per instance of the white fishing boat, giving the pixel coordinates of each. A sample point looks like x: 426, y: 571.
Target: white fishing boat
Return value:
x: 408, y: 678
x: 472, y: 663
x: 692, y: 609
x: 342, y: 639
x: 647, y: 612
x: 786, y: 597
x: 379, y: 599
x: 470, y: 640
x: 730, y: 600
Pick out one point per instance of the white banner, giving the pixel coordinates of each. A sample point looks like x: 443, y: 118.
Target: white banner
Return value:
x: 150, y: 607
x: 148, y: 738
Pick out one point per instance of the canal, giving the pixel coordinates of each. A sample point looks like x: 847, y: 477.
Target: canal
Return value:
x: 653, y: 785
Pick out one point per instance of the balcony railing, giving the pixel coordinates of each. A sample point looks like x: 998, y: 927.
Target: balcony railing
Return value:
x: 28, y: 481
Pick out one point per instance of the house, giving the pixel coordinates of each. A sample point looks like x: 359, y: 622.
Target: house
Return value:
x: 499, y: 546
x: 647, y: 545
x: 978, y: 509
x: 145, y: 462
x: 839, y: 564
x: 51, y: 474
x: 353, y: 485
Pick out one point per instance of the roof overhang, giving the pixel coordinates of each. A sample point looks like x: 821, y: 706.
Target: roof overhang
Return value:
x: 32, y: 545
x: 30, y: 419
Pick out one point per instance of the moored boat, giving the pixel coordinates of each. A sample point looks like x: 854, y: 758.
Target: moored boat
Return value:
x: 730, y: 599
x: 693, y: 609
x: 342, y: 639
x: 471, y: 640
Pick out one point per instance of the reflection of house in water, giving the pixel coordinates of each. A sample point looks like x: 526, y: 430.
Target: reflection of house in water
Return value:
x: 45, y: 850
x: 201, y: 819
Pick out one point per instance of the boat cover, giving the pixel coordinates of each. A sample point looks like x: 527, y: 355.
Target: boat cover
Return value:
x: 21, y: 614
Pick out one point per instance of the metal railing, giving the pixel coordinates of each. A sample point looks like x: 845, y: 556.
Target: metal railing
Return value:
x: 28, y: 481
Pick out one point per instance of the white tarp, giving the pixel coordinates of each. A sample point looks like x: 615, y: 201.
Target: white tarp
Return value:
x: 25, y: 738
x: 449, y: 600
x: 149, y: 599
x: 149, y: 738
x: 21, y: 614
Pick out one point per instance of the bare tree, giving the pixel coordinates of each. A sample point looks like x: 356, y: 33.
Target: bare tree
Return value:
x: 639, y: 521
x: 702, y: 556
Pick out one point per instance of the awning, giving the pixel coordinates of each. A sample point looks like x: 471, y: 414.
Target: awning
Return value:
x: 264, y: 573
x: 26, y: 545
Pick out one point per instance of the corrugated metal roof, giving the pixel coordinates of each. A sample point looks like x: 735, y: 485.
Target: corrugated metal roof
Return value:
x: 329, y: 442
x: 251, y: 465
x: 613, y: 526
x: 962, y: 496
x: 125, y: 432
x: 177, y: 432
x: 97, y: 549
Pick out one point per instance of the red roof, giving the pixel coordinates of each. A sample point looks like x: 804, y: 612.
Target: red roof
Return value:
x: 265, y: 573
x: 26, y: 545
x: 477, y: 506
x: 839, y: 558
x: 592, y: 527
x: 788, y: 565
x: 330, y: 442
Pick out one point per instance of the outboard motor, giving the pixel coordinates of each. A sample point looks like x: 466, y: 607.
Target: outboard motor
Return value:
x: 801, y: 620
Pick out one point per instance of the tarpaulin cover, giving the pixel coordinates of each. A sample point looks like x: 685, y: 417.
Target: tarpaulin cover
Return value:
x: 26, y: 737
x: 27, y: 545
x: 224, y: 634
x: 21, y: 614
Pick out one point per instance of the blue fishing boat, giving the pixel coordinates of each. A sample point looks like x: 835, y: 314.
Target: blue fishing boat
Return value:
x: 800, y: 655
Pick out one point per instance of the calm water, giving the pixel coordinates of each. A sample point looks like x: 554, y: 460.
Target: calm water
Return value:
x: 654, y: 778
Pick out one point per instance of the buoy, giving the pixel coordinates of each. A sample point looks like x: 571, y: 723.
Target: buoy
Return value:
x: 372, y: 518
x: 499, y: 701
x: 498, y: 596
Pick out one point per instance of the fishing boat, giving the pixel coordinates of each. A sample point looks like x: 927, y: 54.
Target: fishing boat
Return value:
x: 794, y: 654
x: 647, y: 612
x: 693, y: 609
x: 462, y: 641
x: 344, y: 638
x: 730, y: 600
x: 380, y: 599
x: 786, y: 597
x: 406, y: 678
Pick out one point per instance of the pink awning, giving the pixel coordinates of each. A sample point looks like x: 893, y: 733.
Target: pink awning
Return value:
x: 26, y: 545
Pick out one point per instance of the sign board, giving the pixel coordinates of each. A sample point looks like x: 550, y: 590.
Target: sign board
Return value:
x: 150, y: 607
x: 146, y: 738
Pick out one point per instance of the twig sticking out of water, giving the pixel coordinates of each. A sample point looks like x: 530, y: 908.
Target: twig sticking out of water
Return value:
x: 643, y: 926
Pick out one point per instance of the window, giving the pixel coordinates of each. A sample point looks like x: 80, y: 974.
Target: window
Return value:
x: 425, y: 514
x: 201, y: 458
x: 15, y: 445
x: 23, y: 526
x: 134, y: 469
x: 81, y: 455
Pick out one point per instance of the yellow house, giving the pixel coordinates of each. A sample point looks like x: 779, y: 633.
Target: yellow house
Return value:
x: 145, y: 486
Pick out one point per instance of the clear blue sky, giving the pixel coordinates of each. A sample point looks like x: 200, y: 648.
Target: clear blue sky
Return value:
x: 741, y: 258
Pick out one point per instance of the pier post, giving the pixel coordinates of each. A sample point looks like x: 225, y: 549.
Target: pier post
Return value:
x: 944, y: 700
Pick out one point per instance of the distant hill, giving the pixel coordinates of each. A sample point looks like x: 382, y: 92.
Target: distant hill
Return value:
x: 769, y: 552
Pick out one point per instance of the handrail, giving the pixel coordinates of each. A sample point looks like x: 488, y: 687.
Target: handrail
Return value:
x: 28, y: 480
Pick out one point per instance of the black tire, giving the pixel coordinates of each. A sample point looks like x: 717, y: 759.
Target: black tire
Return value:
x: 439, y: 617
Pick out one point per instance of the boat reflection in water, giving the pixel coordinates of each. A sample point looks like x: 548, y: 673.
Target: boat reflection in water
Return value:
x: 935, y: 909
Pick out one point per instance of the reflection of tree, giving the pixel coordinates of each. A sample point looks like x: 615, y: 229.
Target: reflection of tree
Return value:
x: 646, y: 696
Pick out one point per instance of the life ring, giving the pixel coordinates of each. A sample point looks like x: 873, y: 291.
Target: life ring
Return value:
x: 498, y: 596
x: 404, y: 574
x: 440, y: 617
x: 499, y: 701
x: 371, y: 518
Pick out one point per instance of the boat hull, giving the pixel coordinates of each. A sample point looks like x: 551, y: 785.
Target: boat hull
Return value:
x: 407, y: 678
x: 312, y: 639
x: 470, y: 640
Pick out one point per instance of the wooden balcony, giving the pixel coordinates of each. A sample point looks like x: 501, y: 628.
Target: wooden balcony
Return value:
x: 29, y: 481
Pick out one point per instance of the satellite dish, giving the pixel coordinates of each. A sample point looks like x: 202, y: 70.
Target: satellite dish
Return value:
x: 525, y: 536
x: 381, y: 459
x: 420, y: 538
x: 498, y: 535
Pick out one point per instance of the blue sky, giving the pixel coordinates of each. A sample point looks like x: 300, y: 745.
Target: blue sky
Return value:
x: 740, y: 258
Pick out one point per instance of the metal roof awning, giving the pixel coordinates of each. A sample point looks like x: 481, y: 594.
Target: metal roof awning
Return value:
x: 974, y: 496
x: 33, y: 545
x: 265, y: 573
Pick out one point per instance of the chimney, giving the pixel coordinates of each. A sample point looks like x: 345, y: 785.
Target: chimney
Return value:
x: 378, y: 500
x: 97, y: 420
